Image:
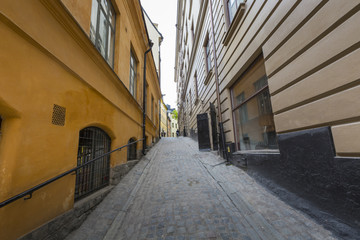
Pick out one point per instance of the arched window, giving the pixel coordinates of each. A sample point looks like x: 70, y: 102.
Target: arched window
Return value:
x: 131, y: 154
x: 93, y: 142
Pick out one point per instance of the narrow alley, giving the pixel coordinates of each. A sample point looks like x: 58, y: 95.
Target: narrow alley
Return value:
x: 177, y: 192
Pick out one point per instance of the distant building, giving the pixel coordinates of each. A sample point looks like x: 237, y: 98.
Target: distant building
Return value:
x: 157, y: 38
x: 164, y: 121
x: 174, y: 124
x: 168, y: 132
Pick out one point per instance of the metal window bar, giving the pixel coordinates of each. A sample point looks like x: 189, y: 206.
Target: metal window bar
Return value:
x: 93, y: 142
x: 30, y: 191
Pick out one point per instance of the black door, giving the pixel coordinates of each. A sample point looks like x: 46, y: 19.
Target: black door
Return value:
x: 214, y: 127
x: 203, y: 131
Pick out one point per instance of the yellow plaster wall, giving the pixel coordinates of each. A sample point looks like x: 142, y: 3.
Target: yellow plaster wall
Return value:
x: 81, y: 11
x: 41, y: 65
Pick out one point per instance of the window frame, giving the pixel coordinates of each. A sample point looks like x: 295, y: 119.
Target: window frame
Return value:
x: 229, y: 8
x: 231, y: 23
x: 152, y: 107
x: 133, y: 69
x: 196, y: 86
x: 235, y: 107
x: 207, y: 51
x: 110, y: 24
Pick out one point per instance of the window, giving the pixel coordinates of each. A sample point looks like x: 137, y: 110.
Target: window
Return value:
x: 196, y: 86
x: 253, y: 117
x: 207, y: 54
x: 152, y: 108
x: 146, y: 99
x: 243, y: 108
x: 131, y: 149
x: 190, y: 101
x: 93, y: 143
x: 102, y: 28
x: 192, y: 32
x: 233, y: 5
x: 133, y: 67
x: 156, y: 111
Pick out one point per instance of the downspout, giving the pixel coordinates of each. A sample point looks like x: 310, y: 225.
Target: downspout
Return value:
x: 161, y: 39
x: 221, y: 125
x: 144, y: 99
x: 160, y: 118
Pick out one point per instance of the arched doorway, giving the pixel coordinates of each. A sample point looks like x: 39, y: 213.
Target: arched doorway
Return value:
x: 131, y: 154
x: 93, y: 142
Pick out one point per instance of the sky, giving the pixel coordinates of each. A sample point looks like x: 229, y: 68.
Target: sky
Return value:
x: 163, y: 12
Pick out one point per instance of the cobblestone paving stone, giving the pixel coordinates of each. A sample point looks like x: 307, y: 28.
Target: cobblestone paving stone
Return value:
x: 186, y: 194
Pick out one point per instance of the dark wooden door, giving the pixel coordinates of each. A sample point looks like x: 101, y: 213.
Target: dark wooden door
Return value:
x: 203, y: 131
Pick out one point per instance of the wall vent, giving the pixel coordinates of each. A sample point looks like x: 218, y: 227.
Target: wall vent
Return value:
x: 58, y: 116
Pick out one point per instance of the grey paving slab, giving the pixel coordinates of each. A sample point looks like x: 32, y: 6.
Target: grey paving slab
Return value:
x: 181, y: 193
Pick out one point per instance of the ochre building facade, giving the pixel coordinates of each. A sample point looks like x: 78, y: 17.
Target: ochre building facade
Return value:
x: 71, y: 89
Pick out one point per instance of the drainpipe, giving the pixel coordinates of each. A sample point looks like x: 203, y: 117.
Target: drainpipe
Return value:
x: 221, y: 125
x: 144, y: 99
x: 159, y: 119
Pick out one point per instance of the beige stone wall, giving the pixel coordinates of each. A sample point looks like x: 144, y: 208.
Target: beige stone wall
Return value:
x: 311, y: 51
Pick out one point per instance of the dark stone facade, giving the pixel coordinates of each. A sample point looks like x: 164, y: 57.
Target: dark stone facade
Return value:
x: 308, y: 166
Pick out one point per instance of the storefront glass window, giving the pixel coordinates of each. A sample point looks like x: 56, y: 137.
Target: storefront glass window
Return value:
x: 254, y: 121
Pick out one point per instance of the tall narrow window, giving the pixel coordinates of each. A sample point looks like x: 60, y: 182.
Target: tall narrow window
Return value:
x: 131, y: 149
x: 152, y: 108
x: 146, y: 99
x: 207, y: 54
x: 192, y: 32
x: 233, y: 5
x: 196, y: 86
x: 102, y: 28
x: 132, y: 82
x: 253, y: 117
x: 190, y: 102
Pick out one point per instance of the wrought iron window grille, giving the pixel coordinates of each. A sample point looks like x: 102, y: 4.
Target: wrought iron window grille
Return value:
x: 28, y: 193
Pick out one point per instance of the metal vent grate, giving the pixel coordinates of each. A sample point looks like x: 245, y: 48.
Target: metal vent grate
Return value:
x: 58, y: 116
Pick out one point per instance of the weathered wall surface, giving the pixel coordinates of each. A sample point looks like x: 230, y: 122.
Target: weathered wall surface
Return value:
x: 311, y: 52
x: 47, y: 59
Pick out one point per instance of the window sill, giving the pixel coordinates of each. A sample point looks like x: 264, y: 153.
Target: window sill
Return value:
x: 208, y: 77
x: 264, y: 151
x: 239, y: 13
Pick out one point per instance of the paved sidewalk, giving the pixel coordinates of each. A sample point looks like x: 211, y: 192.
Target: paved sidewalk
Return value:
x: 178, y: 192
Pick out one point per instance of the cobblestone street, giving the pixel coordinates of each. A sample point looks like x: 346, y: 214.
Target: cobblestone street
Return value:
x: 177, y: 192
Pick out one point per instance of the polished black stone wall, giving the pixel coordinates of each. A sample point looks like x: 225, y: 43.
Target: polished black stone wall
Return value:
x: 307, y: 165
